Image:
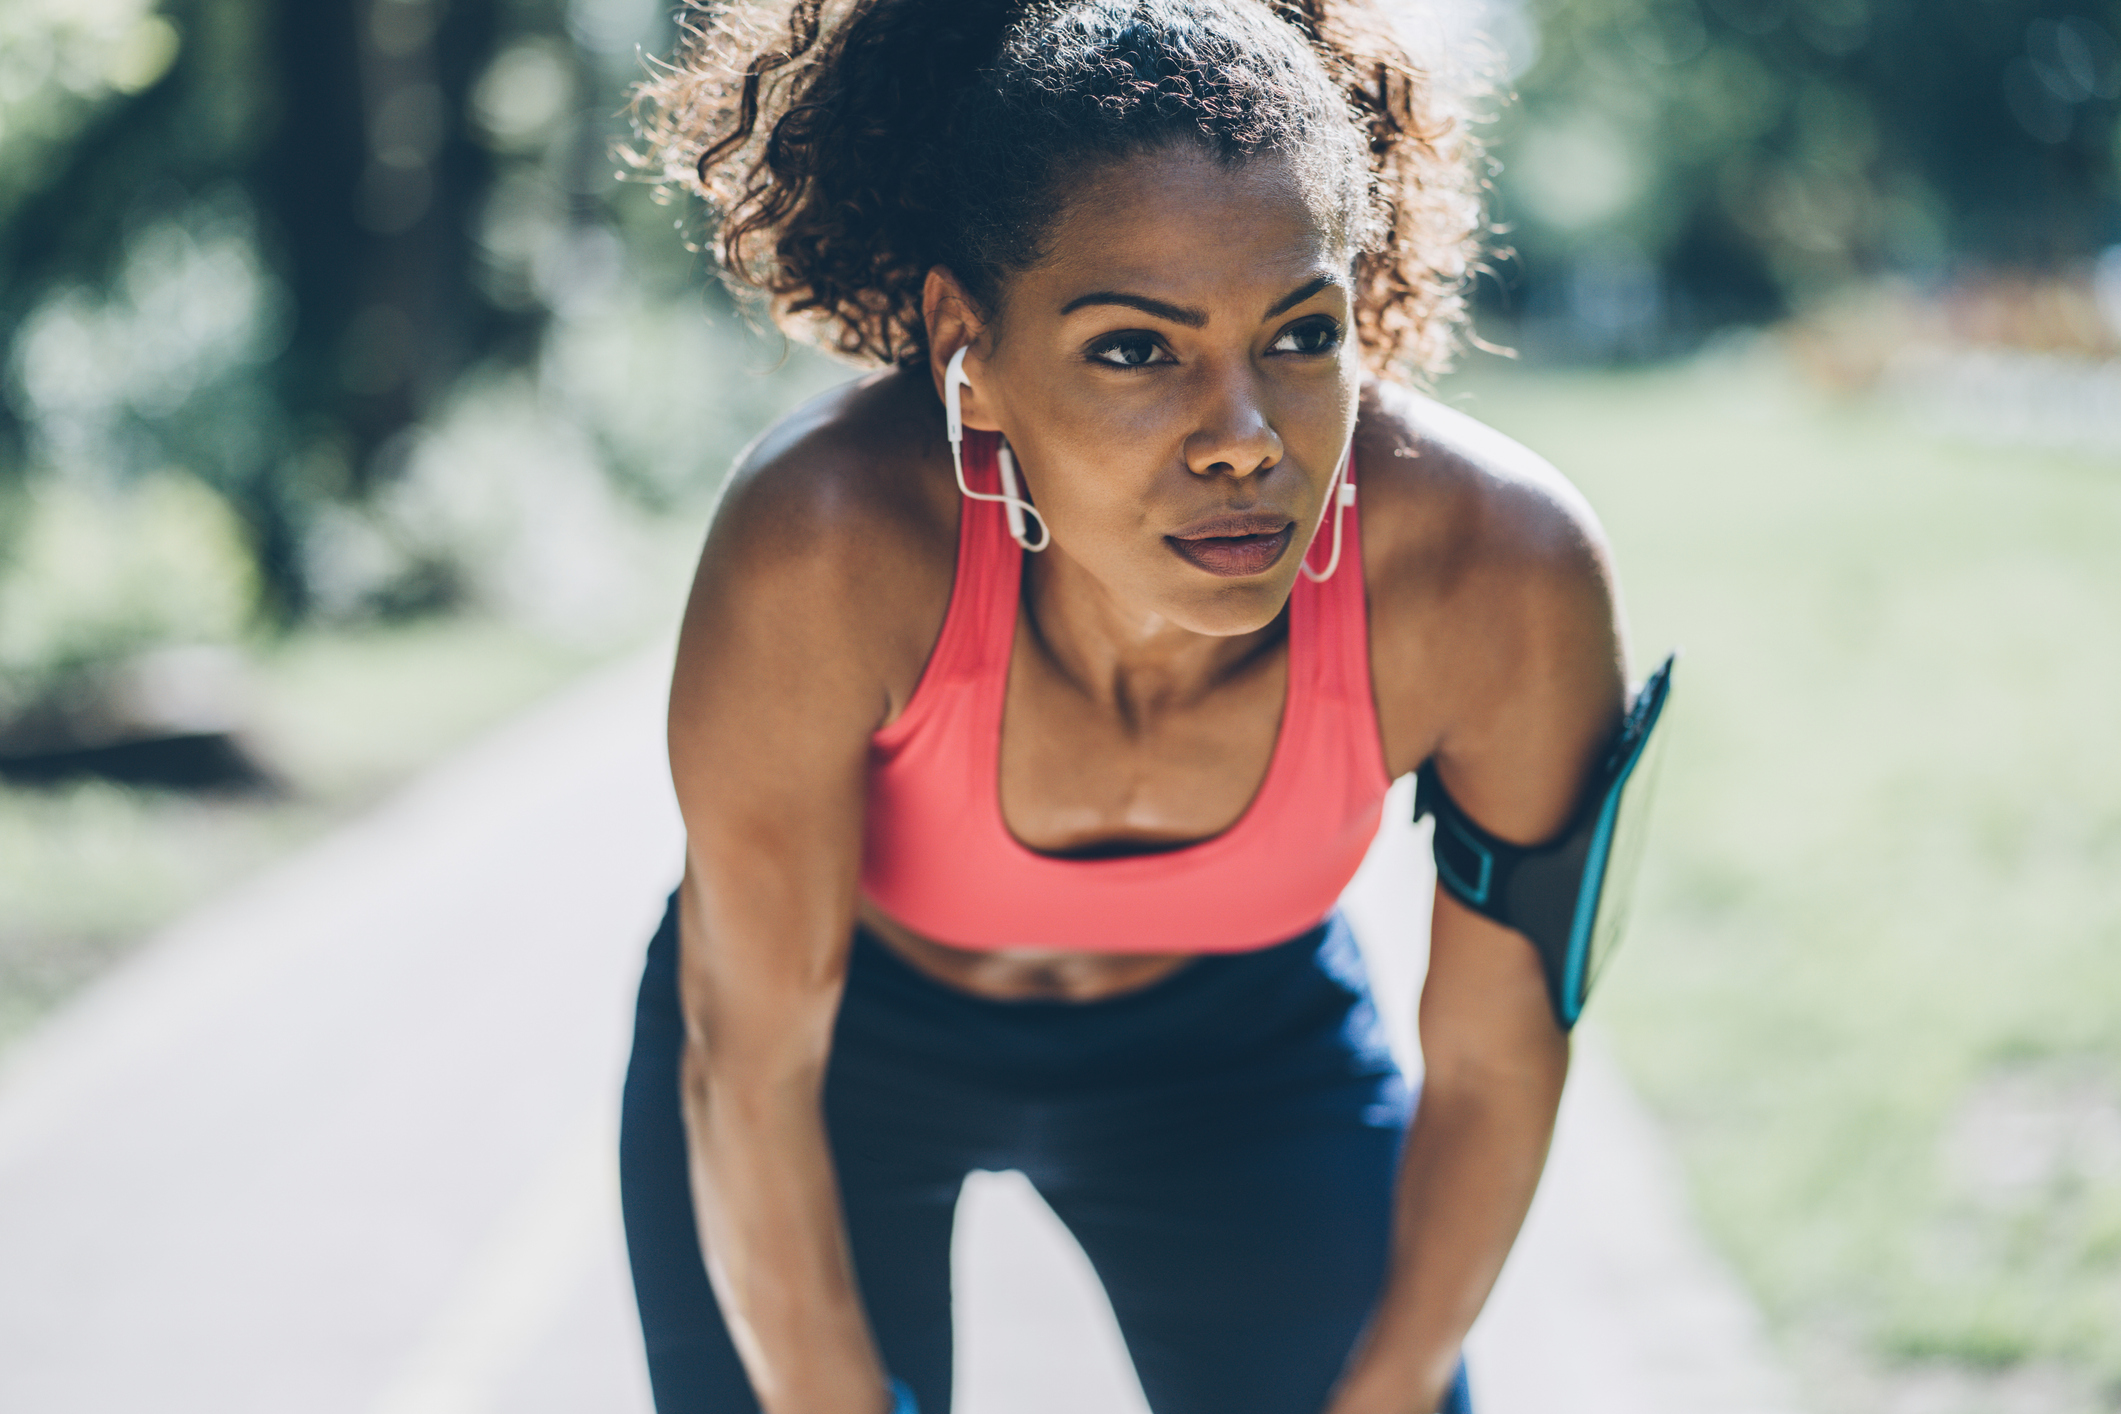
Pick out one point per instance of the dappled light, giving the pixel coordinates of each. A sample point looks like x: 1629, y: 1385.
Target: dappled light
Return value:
x: 362, y: 411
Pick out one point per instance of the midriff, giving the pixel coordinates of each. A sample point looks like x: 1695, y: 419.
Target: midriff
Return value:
x: 1004, y: 975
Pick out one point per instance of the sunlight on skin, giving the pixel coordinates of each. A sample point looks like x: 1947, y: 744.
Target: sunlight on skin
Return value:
x: 1145, y: 393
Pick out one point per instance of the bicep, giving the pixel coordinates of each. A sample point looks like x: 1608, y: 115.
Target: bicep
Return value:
x: 772, y: 703
x: 1547, y: 681
x: 1517, y: 758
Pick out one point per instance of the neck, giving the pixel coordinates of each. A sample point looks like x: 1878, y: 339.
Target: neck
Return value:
x: 1124, y: 657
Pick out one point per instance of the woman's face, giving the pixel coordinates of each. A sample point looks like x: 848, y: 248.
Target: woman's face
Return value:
x: 1178, y: 380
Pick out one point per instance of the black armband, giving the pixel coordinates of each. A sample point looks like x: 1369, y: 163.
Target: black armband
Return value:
x: 1570, y: 895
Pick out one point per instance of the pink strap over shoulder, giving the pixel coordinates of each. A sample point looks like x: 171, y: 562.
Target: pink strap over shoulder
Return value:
x: 938, y: 856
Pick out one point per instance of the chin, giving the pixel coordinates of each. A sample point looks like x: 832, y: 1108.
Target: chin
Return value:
x: 1227, y: 610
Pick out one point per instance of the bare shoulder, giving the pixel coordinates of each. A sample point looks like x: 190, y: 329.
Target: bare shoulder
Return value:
x: 1447, y: 497
x: 838, y: 482
x: 1494, y: 603
x: 833, y: 538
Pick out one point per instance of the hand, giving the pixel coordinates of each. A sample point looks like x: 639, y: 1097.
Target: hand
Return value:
x: 1373, y: 1387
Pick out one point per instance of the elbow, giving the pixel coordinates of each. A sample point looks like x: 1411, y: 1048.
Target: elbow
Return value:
x: 752, y: 1071
x: 1528, y: 1074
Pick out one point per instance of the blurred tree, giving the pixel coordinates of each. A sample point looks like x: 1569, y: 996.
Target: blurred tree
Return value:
x: 367, y: 186
x: 322, y: 146
x: 1673, y: 165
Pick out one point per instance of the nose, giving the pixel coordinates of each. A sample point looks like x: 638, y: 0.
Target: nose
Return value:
x: 1233, y: 437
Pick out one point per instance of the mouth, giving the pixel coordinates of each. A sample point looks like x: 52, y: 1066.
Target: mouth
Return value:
x: 1234, y: 546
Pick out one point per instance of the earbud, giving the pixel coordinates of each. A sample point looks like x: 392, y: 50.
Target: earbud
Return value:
x: 1013, y: 504
x: 953, y: 403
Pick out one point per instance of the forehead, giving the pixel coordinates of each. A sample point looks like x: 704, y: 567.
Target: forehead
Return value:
x: 1184, y: 226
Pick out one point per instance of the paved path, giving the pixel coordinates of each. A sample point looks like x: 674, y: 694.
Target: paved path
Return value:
x: 343, y: 1142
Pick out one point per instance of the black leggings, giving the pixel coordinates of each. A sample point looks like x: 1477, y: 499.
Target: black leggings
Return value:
x: 1222, y: 1144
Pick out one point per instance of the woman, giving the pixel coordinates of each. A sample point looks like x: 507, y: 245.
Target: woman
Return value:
x: 1024, y: 752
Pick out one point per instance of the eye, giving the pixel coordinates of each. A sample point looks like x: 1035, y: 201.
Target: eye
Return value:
x: 1134, y: 348
x: 1312, y: 336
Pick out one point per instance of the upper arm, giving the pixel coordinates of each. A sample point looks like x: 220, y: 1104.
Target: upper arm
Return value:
x: 1523, y: 679
x: 782, y: 675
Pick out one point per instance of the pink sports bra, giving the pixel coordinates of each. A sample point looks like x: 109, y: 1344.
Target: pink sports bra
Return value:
x: 938, y: 856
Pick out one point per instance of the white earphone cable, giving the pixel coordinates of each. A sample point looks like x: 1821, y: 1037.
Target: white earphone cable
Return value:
x: 954, y: 424
x: 1339, y: 496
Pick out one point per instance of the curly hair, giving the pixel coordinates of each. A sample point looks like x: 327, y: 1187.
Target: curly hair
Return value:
x: 847, y: 148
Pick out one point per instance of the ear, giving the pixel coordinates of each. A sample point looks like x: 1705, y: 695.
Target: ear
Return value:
x: 954, y: 323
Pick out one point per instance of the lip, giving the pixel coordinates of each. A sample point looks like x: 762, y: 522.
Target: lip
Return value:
x: 1230, y: 523
x: 1234, y: 546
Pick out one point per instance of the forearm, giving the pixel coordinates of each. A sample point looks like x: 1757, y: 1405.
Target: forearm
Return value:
x: 1471, y: 1164
x: 775, y: 1243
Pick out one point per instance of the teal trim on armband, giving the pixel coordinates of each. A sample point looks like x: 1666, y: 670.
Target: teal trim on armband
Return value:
x: 902, y: 1400
x: 1569, y: 896
x: 1587, y: 900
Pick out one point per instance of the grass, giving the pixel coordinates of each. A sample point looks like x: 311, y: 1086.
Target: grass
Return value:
x: 670, y: 391
x: 88, y: 870
x: 1874, y: 983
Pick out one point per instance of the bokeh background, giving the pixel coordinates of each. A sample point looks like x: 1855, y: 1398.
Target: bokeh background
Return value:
x: 352, y: 401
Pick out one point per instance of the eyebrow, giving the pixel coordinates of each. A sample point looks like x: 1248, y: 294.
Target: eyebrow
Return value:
x: 1301, y: 293
x: 1192, y: 318
x: 1176, y: 313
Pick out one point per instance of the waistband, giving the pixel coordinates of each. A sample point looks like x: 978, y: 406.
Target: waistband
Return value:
x: 1222, y: 1014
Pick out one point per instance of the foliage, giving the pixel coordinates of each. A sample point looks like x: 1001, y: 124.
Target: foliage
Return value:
x: 97, y: 572
x: 1691, y: 162
x: 63, y: 63
x: 362, y: 268
x: 1872, y: 977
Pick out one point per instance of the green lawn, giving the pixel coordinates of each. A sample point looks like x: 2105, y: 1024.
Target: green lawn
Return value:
x: 665, y: 391
x: 1875, y: 981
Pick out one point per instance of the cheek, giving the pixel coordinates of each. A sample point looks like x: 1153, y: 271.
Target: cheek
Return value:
x: 1081, y: 417
x: 1099, y: 486
x: 1080, y: 458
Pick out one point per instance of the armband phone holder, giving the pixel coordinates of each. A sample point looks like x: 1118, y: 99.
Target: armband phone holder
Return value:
x: 1569, y: 896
